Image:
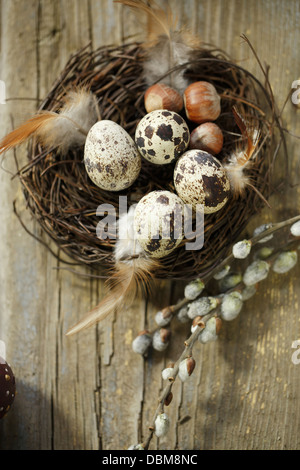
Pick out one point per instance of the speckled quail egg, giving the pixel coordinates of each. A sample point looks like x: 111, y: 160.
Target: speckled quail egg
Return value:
x: 201, y: 180
x: 111, y: 157
x: 158, y: 223
x: 162, y: 136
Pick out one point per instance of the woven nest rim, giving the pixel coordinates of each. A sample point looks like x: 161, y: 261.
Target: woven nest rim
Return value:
x: 63, y: 200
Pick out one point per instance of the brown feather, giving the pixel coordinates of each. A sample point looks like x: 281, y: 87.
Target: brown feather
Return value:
x: 251, y: 146
x: 167, y: 47
x: 128, y: 280
x: 64, y: 129
x: 160, y: 22
x: 240, y: 160
x: 26, y: 130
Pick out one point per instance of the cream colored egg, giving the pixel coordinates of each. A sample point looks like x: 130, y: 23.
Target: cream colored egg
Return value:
x: 111, y: 157
x: 201, y: 180
x: 158, y: 223
x: 162, y: 136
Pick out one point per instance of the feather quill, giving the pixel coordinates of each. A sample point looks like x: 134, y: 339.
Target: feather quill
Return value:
x: 65, y: 129
x: 133, y: 274
x: 167, y: 47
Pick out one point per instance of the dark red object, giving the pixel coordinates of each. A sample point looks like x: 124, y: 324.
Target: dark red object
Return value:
x: 7, y: 387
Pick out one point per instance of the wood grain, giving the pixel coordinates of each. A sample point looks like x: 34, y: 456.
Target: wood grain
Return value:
x: 91, y: 392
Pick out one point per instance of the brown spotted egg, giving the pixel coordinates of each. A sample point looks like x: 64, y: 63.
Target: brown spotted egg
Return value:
x: 111, y: 158
x: 201, y: 180
x: 162, y: 136
x: 158, y: 223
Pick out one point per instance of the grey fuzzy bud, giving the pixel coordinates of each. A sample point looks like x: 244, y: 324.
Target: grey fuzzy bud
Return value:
x: 256, y: 272
x: 285, y: 262
x: 142, y: 342
x: 248, y: 292
x: 242, y: 249
x: 261, y: 229
x: 210, y: 332
x: 160, y: 340
x: 186, y: 368
x: 136, y: 447
x: 167, y: 373
x: 201, y: 306
x: 295, y: 229
x: 222, y: 273
x: 182, y: 315
x: 163, y: 317
x: 193, y: 289
x: 264, y: 253
x: 231, y: 306
x: 230, y: 281
x: 162, y: 424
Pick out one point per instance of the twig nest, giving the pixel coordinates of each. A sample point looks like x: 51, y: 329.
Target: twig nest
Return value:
x: 7, y: 387
x: 111, y: 158
x: 201, y: 180
x: 208, y: 137
x: 202, y: 102
x: 158, y: 223
x: 162, y: 136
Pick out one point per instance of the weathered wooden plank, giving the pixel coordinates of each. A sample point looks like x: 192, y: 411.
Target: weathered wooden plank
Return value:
x: 91, y: 391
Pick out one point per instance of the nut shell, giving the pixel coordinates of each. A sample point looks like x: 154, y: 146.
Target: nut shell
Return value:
x: 111, y: 158
x: 158, y: 222
x: 7, y: 387
x: 201, y: 180
x: 161, y: 96
x: 162, y: 136
x: 208, y: 137
x: 202, y: 102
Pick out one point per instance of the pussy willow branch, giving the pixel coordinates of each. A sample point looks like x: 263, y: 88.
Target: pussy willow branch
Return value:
x: 189, y: 343
x: 254, y: 241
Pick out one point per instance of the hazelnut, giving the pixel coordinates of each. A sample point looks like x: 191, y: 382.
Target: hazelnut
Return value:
x: 208, y: 137
x: 161, y: 96
x: 202, y: 102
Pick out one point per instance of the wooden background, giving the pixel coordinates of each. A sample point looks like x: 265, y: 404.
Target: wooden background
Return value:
x: 91, y: 391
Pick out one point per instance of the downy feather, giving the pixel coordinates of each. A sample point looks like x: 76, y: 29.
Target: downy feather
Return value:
x: 133, y: 274
x: 64, y: 129
x: 167, y: 47
x: 240, y: 160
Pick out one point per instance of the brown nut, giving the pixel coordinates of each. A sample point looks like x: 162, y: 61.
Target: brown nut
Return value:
x: 161, y: 96
x: 202, y: 102
x: 208, y: 137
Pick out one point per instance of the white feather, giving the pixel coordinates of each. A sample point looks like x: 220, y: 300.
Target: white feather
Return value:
x: 168, y: 53
x: 74, y: 120
x: 127, y: 245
